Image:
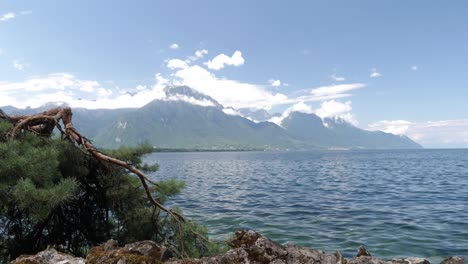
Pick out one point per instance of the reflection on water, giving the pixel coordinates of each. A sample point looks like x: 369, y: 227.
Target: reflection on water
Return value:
x: 397, y: 203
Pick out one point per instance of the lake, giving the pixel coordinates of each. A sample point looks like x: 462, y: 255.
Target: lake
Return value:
x: 397, y: 203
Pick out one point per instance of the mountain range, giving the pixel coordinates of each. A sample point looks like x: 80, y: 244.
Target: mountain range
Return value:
x: 187, y: 119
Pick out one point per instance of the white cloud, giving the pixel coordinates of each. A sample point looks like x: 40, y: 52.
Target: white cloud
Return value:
x: 336, y: 89
x: 39, y: 90
x: 63, y: 87
x: 201, y: 53
x: 231, y: 111
x: 143, y: 96
x: 7, y: 16
x: 222, y: 59
x: 236, y: 94
x: 190, y: 100
x: 103, y: 93
x: 301, y: 107
x: 174, y: 46
x: 336, y: 109
x: 298, y: 107
x: 176, y: 64
x: 20, y: 65
x: 414, y: 68
x: 338, y: 78
x: 397, y: 127
x: 278, y: 120
x: 442, y: 133
x: 56, y: 81
x: 87, y: 89
x: 12, y: 15
x: 230, y: 93
x: 375, y: 73
x: 67, y: 88
x: 274, y: 83
x: 198, y: 55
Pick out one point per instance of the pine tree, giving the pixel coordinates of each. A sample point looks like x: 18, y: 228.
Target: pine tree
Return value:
x: 54, y: 193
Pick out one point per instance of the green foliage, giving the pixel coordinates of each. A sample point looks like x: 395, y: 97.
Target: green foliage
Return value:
x: 52, y: 193
x: 39, y: 202
x: 183, y: 238
x: 169, y: 188
x: 4, y: 128
x: 133, y: 155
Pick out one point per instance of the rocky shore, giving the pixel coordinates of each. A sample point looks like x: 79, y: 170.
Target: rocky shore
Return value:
x: 247, y: 247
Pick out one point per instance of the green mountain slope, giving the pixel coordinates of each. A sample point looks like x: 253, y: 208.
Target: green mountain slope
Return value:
x: 177, y: 124
x: 191, y: 120
x: 337, y: 133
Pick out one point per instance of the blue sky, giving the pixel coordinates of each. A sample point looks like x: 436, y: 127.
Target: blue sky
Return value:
x: 398, y: 66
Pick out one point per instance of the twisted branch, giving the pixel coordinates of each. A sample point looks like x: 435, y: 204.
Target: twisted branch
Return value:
x: 44, y: 123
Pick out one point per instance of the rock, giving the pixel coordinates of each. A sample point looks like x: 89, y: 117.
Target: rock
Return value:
x: 244, y: 238
x: 146, y: 248
x: 411, y: 260
x: 110, y: 245
x: 339, y: 258
x: 362, y: 251
x: 453, y: 260
x: 258, y: 247
x: 237, y: 255
x: 414, y: 260
x: 48, y: 256
x: 298, y: 254
x: 251, y: 247
x: 139, y: 252
x: 367, y: 260
x: 247, y: 247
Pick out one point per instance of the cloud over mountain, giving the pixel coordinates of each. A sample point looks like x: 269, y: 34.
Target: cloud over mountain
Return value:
x: 449, y: 133
x: 230, y: 93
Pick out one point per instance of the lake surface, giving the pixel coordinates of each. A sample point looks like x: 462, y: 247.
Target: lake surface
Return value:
x: 396, y: 203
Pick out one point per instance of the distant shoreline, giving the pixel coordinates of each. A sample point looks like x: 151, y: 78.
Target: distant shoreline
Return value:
x: 159, y: 150
x: 172, y: 150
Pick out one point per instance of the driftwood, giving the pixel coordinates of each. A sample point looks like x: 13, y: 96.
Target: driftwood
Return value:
x: 44, y: 123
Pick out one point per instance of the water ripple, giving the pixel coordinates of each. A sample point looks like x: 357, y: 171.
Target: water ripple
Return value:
x: 397, y: 203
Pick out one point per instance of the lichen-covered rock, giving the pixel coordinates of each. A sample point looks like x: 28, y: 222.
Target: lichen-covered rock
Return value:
x: 234, y: 256
x: 48, y: 256
x: 110, y: 245
x: 251, y: 247
x: 259, y: 248
x: 144, y: 252
x: 411, y: 260
x: 374, y: 260
x: 146, y: 248
x: 247, y: 247
x: 298, y: 254
x: 367, y: 260
x: 454, y: 260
